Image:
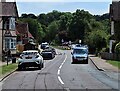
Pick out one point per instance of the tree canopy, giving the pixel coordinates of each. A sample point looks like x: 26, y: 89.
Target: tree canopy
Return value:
x: 79, y: 25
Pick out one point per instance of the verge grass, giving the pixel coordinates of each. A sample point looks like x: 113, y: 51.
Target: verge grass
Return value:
x: 4, y: 70
x: 114, y: 63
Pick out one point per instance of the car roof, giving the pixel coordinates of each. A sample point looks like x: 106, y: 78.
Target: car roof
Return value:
x: 80, y: 48
x: 31, y: 51
x: 45, y: 43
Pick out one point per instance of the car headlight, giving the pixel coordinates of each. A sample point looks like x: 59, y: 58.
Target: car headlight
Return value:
x: 20, y: 57
x: 37, y: 56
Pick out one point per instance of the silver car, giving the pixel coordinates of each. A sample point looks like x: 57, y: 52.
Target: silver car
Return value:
x: 80, y: 54
x: 30, y: 58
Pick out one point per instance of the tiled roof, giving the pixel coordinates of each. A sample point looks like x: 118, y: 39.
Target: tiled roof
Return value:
x: 8, y: 9
x: 30, y: 35
x: 22, y: 29
x: 8, y: 33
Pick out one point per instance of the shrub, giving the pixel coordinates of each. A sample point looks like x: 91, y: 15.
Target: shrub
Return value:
x: 117, y: 48
x: 105, y: 49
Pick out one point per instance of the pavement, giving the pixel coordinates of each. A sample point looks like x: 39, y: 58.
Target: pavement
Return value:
x: 101, y: 64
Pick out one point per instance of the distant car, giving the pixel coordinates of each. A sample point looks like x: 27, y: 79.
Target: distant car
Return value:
x: 48, y: 53
x: 44, y: 45
x: 30, y: 58
x: 80, y: 54
x: 73, y: 46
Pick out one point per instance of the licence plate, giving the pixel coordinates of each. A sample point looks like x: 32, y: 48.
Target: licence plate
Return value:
x: 28, y: 57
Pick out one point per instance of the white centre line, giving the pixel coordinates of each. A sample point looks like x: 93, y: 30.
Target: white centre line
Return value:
x: 58, y: 72
x: 59, y: 78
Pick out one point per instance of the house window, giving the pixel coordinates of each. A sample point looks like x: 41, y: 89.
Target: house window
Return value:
x: 6, y: 25
x: 10, y: 43
x: 10, y: 24
x: 7, y: 44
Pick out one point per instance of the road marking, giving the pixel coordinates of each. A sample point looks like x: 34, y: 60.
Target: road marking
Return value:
x: 58, y: 72
x: 59, y: 78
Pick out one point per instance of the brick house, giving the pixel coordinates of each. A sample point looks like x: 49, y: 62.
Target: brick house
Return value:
x: 114, y: 17
x: 23, y: 34
x: 8, y: 16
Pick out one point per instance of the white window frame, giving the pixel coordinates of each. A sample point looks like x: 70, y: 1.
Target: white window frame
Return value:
x: 10, y: 43
x: 12, y: 23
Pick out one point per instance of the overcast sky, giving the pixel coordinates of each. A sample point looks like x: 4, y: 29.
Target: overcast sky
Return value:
x: 95, y: 8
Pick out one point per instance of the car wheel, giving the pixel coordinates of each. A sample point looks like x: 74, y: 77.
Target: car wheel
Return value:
x: 72, y: 62
x: 39, y: 67
x: 19, y: 67
x: 42, y: 65
x: 86, y: 61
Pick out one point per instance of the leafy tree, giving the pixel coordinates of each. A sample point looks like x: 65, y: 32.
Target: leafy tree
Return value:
x: 117, y: 48
x: 24, y: 16
x: 32, y: 16
x: 52, y: 30
x: 77, y: 25
x: 96, y: 40
x: 28, y: 16
x: 42, y: 19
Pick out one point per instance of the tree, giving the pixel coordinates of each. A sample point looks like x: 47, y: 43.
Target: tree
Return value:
x: 42, y: 19
x: 117, y: 48
x: 52, y: 30
x: 96, y: 40
x: 77, y: 25
x: 28, y: 16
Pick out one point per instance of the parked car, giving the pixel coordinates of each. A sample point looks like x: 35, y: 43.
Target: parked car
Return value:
x: 80, y: 54
x: 30, y: 58
x: 44, y: 45
x: 48, y: 53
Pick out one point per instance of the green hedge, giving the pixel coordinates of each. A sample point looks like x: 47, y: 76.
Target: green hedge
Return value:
x: 117, y: 48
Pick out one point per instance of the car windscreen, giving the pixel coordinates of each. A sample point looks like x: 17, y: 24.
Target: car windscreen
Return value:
x: 80, y: 51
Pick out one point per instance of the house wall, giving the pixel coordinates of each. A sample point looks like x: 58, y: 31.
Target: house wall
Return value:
x: 0, y: 37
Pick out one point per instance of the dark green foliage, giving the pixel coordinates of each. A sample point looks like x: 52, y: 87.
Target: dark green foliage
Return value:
x: 80, y: 25
x: 117, y: 48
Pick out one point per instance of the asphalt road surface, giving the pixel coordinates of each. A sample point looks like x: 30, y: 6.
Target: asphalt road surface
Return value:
x: 60, y: 74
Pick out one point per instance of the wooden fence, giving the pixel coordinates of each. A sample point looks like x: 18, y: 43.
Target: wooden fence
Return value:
x: 110, y: 56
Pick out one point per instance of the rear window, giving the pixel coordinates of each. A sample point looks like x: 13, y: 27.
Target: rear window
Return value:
x: 29, y: 53
x: 80, y: 51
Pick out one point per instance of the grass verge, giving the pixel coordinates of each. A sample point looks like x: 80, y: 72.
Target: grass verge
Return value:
x: 7, y: 69
x: 114, y: 63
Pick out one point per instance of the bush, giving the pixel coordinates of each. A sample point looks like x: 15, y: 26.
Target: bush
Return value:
x: 117, y: 48
x: 105, y: 49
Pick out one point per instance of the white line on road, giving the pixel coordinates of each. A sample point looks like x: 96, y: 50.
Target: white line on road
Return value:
x: 58, y: 72
x: 60, y: 69
x: 60, y: 80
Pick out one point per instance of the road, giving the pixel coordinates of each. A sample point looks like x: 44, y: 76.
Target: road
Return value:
x: 60, y: 74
